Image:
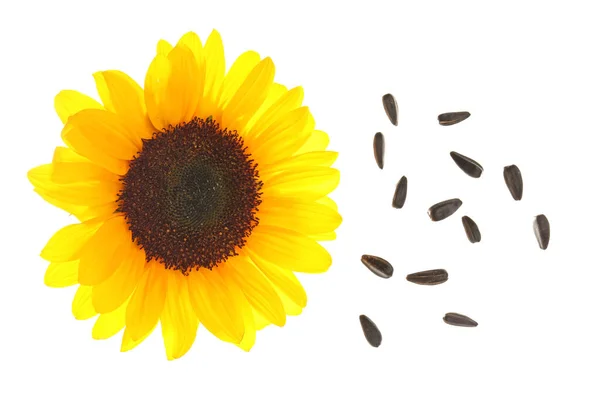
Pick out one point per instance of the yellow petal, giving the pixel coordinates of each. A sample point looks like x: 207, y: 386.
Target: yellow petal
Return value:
x: 110, y: 294
x: 147, y: 302
x: 276, y: 91
x: 67, y: 243
x: 73, y: 209
x: 215, y: 71
x: 312, y: 159
x: 155, y: 90
x: 82, y: 303
x: 287, y: 102
x: 70, y: 102
x: 309, y: 183
x: 247, y: 315
x: 67, y: 155
x: 104, y: 252
x: 192, y: 42
x: 283, y: 279
x: 251, y: 94
x: 257, y: 289
x: 284, y: 137
x: 288, y: 249
x: 86, y: 193
x: 325, y: 236
x: 109, y: 324
x: 122, y: 95
x: 178, y: 320
x: 61, y: 274
x: 290, y: 306
x: 236, y: 75
x: 317, y: 141
x: 163, y: 47
x: 327, y: 201
x: 301, y: 216
x: 183, y: 87
x: 260, y: 321
x: 129, y: 343
x: 214, y: 306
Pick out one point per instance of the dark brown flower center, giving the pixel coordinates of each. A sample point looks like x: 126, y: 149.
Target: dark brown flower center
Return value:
x: 190, y: 195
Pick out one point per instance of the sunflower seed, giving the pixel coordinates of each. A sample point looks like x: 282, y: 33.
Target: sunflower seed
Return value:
x: 459, y: 320
x: 541, y: 227
x: 469, y: 166
x: 379, y: 149
x: 452, y: 118
x: 400, y: 193
x: 431, y: 277
x: 514, y: 181
x: 444, y: 209
x: 372, y: 333
x: 391, y: 108
x: 471, y: 229
x: 378, y: 266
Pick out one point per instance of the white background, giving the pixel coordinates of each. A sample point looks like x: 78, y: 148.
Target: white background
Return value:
x: 529, y: 74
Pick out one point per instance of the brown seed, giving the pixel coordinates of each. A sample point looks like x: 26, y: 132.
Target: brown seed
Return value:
x: 514, y: 181
x: 431, y: 277
x: 379, y: 149
x: 452, y: 118
x: 471, y: 229
x: 444, y: 209
x: 541, y: 227
x: 391, y: 108
x: 400, y: 193
x: 378, y: 266
x: 469, y: 166
x: 459, y: 320
x: 372, y: 333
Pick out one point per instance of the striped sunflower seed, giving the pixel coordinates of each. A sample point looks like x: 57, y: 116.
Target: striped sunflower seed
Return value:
x: 372, y: 333
x: 431, y: 277
x: 541, y: 227
x: 468, y: 165
x: 514, y: 181
x: 400, y: 193
x: 379, y: 149
x: 391, y: 108
x: 378, y: 266
x: 452, y: 118
x: 459, y: 320
x: 444, y: 209
x: 471, y: 229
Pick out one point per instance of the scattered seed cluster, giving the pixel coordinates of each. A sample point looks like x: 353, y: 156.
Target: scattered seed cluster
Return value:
x: 438, y: 212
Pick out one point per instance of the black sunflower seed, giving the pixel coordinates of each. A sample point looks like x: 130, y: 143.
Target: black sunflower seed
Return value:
x: 400, y: 193
x: 541, y: 227
x: 514, y: 181
x: 469, y: 166
x: 452, y: 118
x: 431, y: 277
x: 391, y: 108
x: 459, y: 320
x: 372, y: 333
x: 379, y: 149
x: 378, y: 266
x: 471, y: 229
x: 444, y: 209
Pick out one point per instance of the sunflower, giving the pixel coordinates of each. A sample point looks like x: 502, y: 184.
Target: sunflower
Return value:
x: 197, y: 198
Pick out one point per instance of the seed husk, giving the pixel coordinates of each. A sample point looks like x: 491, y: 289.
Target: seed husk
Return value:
x: 400, y: 193
x: 468, y: 165
x: 379, y: 149
x: 459, y: 320
x: 391, y: 108
x: 471, y: 229
x: 444, y: 209
x: 372, y: 333
x: 378, y: 266
x: 514, y: 181
x: 452, y: 118
x: 431, y: 277
x: 541, y: 227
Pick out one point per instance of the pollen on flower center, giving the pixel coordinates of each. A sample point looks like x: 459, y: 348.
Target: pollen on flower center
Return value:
x: 190, y: 195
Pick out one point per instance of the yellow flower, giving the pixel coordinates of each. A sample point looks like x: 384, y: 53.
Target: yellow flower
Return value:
x: 198, y: 197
